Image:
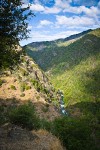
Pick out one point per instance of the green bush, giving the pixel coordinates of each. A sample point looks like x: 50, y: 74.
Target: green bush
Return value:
x: 38, y: 86
x: 23, y: 71
x: 2, y: 118
x: 45, y: 109
x: 24, y: 116
x: 27, y: 87
x: 22, y: 95
x: 13, y: 87
x: 1, y: 82
x: 24, y: 87
x: 76, y: 134
x: 44, y: 124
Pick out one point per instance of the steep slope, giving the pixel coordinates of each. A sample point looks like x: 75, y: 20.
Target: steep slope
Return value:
x: 26, y: 103
x: 25, y: 82
x: 74, y: 68
x: 16, y: 138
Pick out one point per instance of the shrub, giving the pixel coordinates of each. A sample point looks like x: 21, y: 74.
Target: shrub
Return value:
x: 2, y: 117
x: 1, y: 82
x: 13, y: 87
x: 22, y: 87
x: 45, y: 109
x: 22, y: 95
x: 46, y: 91
x: 27, y: 87
x: 37, y: 85
x: 24, y: 116
x: 75, y: 133
x: 23, y: 71
x: 38, y: 97
x: 44, y: 124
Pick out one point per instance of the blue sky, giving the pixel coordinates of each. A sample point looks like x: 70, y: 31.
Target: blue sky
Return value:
x: 61, y: 18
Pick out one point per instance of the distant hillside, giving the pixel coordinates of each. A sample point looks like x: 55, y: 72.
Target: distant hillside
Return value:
x: 75, y: 36
x: 36, y: 46
x: 73, y: 67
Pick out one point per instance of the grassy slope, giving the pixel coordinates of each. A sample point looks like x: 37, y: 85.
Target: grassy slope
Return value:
x: 81, y: 82
x: 74, y: 67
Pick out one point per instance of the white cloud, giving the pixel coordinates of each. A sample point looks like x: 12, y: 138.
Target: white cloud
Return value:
x: 62, y: 3
x: 45, y: 22
x: 64, y: 6
x: 34, y: 7
x: 92, y: 11
x: 62, y: 26
x: 74, y: 21
x: 37, y: 7
x: 24, y: 5
x: 29, y: 27
x: 52, y: 10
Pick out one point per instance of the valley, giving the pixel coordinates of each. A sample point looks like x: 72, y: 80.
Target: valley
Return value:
x: 49, y: 75
x: 72, y: 66
x: 52, y: 91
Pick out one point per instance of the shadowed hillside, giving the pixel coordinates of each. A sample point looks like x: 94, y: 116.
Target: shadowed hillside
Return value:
x: 74, y: 67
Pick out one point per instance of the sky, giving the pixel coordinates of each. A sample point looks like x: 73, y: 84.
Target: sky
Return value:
x: 56, y: 19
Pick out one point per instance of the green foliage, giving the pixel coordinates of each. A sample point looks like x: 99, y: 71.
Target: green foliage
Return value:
x: 13, y: 87
x: 44, y: 124
x: 2, y: 115
x: 22, y: 95
x: 24, y: 86
x: 14, y: 19
x: 1, y: 82
x: 69, y: 56
x: 45, y: 109
x: 82, y: 82
x: 13, y: 28
x: 74, y: 69
x: 76, y: 133
x: 24, y: 116
x: 23, y: 71
x: 96, y: 32
x: 38, y: 97
x: 39, y: 87
x: 28, y: 87
x: 79, y: 132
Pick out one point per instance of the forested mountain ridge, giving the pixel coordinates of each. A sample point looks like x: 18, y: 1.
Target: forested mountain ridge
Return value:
x: 49, y: 54
x: 36, y: 46
x: 73, y: 67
